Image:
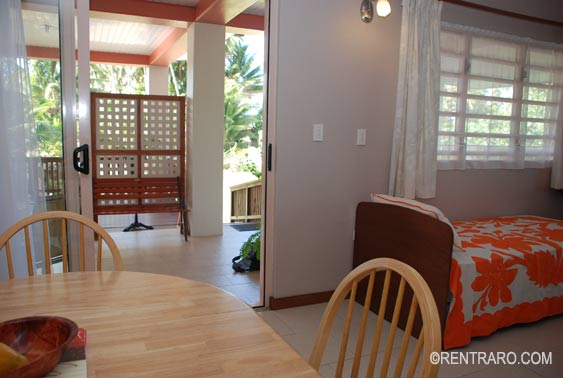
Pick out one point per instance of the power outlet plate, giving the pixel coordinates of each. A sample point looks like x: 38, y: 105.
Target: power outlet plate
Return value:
x: 318, y: 132
x: 361, y: 137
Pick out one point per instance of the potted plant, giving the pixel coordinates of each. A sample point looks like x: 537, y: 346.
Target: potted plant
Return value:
x: 249, y: 258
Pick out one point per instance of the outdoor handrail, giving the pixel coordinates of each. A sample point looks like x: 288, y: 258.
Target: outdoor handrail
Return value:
x: 53, y: 176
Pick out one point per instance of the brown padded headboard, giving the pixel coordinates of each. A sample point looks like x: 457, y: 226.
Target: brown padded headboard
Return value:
x: 420, y: 241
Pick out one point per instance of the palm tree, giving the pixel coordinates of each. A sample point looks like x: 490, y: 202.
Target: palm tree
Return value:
x: 238, y: 121
x: 242, y: 79
x: 46, y: 97
x: 177, y: 78
x: 239, y: 66
x: 117, y: 79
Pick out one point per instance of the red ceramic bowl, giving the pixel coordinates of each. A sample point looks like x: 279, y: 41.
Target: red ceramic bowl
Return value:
x: 42, y: 339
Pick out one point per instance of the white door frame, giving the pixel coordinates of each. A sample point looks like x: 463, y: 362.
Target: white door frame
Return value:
x: 78, y: 187
x: 271, y: 28
x: 83, y: 33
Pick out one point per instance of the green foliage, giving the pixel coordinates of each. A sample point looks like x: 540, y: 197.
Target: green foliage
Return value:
x: 244, y: 160
x: 46, y: 98
x: 497, y: 103
x: 110, y: 78
x: 238, y: 120
x: 253, y: 243
x: 239, y: 66
x: 177, y: 78
x: 250, y: 166
x: 243, y: 78
x: 256, y: 127
x: 243, y: 123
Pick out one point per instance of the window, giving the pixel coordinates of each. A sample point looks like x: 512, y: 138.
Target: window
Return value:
x: 499, y: 102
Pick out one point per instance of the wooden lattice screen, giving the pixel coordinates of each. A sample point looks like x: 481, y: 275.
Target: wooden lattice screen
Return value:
x: 138, y: 152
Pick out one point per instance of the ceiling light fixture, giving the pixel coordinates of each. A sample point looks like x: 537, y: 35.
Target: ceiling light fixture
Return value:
x: 47, y: 28
x: 383, y: 9
x: 366, y: 11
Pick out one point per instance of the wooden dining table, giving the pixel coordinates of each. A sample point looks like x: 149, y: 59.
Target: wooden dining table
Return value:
x: 151, y: 325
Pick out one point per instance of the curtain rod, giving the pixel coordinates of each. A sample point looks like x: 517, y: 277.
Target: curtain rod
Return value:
x: 502, y: 12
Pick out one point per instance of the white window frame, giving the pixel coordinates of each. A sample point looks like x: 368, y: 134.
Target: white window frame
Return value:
x: 515, y: 152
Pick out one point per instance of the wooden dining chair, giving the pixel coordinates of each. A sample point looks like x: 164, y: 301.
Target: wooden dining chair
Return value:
x: 65, y: 218
x: 429, y: 337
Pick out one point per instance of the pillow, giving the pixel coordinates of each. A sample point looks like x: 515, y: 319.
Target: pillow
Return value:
x: 423, y: 208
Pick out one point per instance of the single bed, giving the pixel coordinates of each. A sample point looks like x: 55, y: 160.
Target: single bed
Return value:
x: 510, y: 269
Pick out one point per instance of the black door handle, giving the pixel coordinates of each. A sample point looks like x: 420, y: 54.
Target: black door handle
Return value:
x: 269, y: 157
x: 81, y: 165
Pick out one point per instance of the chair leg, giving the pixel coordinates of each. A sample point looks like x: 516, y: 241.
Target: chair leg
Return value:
x: 187, y: 230
x: 183, y: 224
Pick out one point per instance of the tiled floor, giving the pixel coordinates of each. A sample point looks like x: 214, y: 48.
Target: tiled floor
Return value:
x: 206, y: 259
x: 298, y: 327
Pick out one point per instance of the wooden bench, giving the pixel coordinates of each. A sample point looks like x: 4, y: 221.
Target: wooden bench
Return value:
x: 162, y: 195
x: 139, y: 155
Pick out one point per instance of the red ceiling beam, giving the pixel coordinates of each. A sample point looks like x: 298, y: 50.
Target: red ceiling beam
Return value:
x: 119, y: 58
x: 173, y: 47
x: 38, y: 52
x: 145, y: 8
x: 220, y: 11
x: 247, y: 21
x: 51, y: 53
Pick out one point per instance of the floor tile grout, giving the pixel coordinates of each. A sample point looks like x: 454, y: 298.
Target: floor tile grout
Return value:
x: 206, y: 259
x: 505, y: 340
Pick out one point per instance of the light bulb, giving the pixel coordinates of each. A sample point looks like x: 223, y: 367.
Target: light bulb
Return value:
x: 383, y: 8
x: 366, y: 11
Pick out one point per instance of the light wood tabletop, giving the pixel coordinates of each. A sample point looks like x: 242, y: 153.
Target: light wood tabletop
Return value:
x: 150, y: 325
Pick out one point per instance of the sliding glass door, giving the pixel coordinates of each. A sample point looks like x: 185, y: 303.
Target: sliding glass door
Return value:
x: 42, y: 43
x: 51, y: 40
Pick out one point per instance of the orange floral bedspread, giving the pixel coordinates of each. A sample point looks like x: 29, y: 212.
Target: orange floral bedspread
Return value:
x: 511, y: 271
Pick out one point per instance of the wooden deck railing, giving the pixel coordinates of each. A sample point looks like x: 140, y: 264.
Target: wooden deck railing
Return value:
x: 53, y: 177
x: 246, y: 202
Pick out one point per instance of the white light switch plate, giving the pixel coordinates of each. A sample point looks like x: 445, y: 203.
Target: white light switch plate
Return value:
x: 318, y: 132
x: 361, y: 137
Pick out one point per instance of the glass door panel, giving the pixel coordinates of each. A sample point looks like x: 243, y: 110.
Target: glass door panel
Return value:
x: 51, y: 43
x: 41, y: 31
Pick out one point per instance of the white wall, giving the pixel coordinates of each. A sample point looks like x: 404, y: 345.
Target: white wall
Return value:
x: 157, y: 80
x: 548, y: 9
x: 333, y: 69
x: 205, y: 93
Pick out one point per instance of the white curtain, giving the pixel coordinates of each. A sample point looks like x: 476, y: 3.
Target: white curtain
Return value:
x: 20, y: 166
x: 557, y: 165
x: 413, y: 160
